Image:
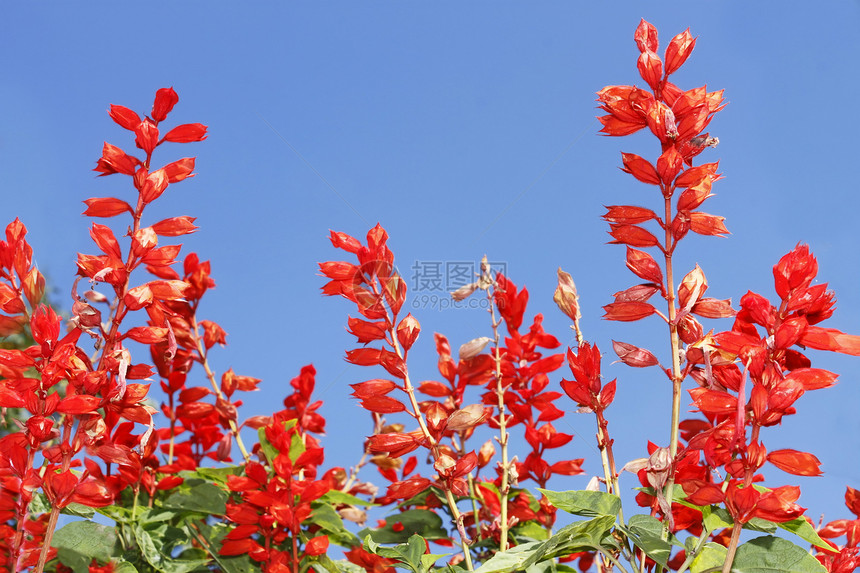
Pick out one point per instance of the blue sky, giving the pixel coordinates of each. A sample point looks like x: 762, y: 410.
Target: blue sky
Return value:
x: 465, y: 129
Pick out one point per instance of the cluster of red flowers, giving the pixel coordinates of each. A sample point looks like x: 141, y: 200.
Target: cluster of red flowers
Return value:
x: 445, y: 423
x: 757, y: 357
x: 75, y: 404
x: 87, y: 434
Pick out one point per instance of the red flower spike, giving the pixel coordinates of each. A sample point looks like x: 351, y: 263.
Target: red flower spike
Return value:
x: 186, y: 133
x: 165, y: 99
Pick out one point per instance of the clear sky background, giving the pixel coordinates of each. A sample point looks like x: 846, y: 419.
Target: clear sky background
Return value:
x: 465, y: 128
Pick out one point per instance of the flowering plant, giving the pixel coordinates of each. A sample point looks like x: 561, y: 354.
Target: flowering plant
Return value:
x: 83, y: 438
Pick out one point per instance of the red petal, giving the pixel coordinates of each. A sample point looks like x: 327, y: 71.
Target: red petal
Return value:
x: 179, y: 170
x: 124, y: 117
x: 705, y: 224
x: 627, y: 311
x: 106, y: 207
x: 78, y: 404
x: 633, y: 355
x: 678, y: 50
x: 165, y: 99
x: 831, y: 339
x: 794, y: 462
x: 382, y: 404
x: 644, y: 266
x: 186, y: 133
x: 632, y: 235
x: 175, y: 226
x: 317, y: 545
x: 628, y: 214
x: 640, y: 168
x: 105, y: 240
x: 645, y: 36
x: 812, y: 378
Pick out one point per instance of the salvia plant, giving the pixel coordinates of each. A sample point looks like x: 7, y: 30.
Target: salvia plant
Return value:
x: 187, y: 491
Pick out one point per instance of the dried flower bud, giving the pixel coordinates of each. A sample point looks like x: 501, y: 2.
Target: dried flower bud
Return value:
x: 473, y: 347
x: 566, y: 297
x: 464, y: 291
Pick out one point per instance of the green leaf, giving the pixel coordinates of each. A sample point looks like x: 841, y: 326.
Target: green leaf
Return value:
x: 297, y: 447
x: 529, y: 531
x: 40, y: 503
x: 577, y: 536
x: 123, y: 566
x: 154, y: 515
x: 88, y: 539
x: 268, y: 449
x: 75, y: 561
x: 762, y: 525
x: 584, y: 503
x: 510, y: 560
x: 646, y: 533
x: 415, y: 521
x: 804, y: 530
x: 209, y: 537
x: 411, y: 554
x: 219, y: 475
x: 712, y: 557
x: 325, y: 516
x: 202, y: 497
x: 716, y: 518
x: 147, y: 547
x: 429, y: 559
x: 116, y: 512
x: 79, y: 510
x: 346, y: 567
x: 770, y: 554
x: 337, y: 497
